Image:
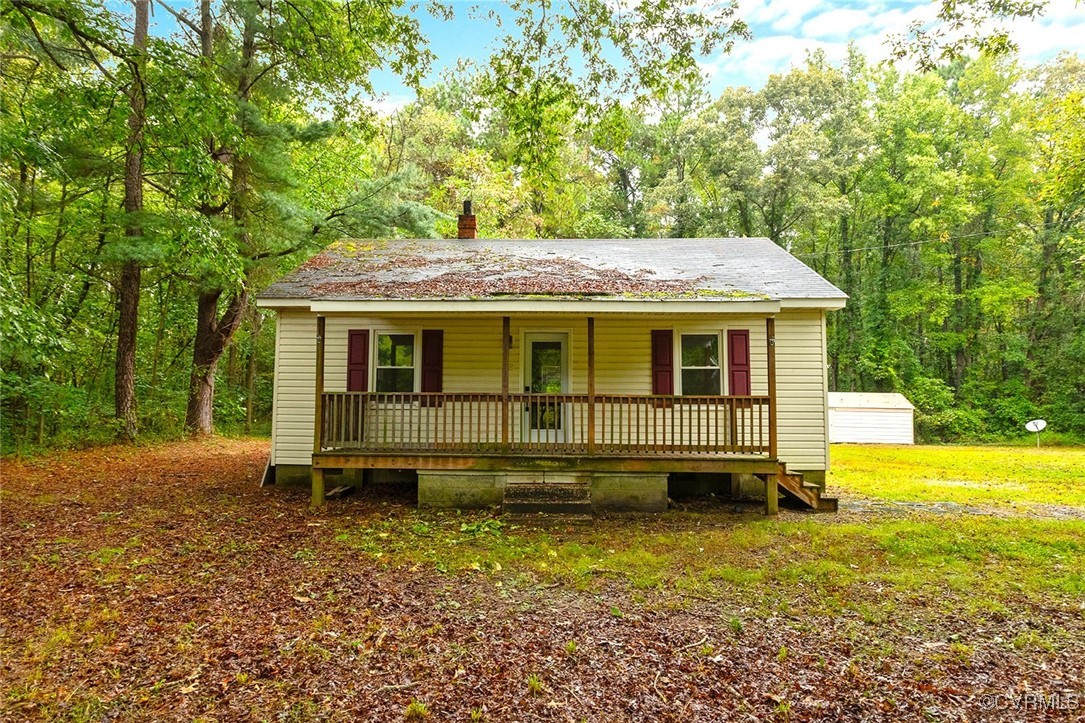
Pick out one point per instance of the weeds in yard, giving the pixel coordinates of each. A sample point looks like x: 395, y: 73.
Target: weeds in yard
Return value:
x: 416, y: 710
x: 534, y: 684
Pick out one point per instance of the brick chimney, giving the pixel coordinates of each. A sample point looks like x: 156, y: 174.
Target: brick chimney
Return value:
x: 466, y: 226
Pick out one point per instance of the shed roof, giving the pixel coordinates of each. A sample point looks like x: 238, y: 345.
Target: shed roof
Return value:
x: 703, y: 269
x: 868, y: 400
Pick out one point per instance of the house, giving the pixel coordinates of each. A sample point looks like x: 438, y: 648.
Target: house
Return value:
x: 590, y: 371
x: 870, y: 418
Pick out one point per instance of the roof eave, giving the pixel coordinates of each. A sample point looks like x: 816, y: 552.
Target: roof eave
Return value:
x: 749, y: 305
x: 829, y: 304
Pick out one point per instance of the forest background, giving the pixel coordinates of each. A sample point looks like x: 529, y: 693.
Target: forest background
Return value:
x: 152, y: 185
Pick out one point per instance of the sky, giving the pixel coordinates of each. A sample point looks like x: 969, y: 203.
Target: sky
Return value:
x: 784, y: 31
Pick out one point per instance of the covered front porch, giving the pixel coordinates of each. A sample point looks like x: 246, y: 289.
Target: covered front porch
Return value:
x: 540, y: 431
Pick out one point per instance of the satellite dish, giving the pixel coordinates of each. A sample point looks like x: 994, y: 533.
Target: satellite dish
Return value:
x: 1037, y: 426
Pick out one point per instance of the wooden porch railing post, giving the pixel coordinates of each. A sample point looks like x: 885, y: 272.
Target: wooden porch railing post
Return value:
x: 506, y: 332
x: 770, y: 335
x: 318, y: 416
x: 591, y: 385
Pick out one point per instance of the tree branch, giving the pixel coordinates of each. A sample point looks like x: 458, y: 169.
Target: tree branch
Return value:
x: 41, y: 40
x: 180, y: 18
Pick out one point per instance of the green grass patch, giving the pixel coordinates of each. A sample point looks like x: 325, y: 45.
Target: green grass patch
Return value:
x: 961, y: 474
x: 982, y: 563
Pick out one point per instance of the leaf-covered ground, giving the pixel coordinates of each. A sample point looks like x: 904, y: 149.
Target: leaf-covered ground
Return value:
x: 164, y: 584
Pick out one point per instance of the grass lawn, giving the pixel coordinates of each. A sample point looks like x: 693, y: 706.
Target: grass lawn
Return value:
x: 966, y: 475
x: 163, y: 583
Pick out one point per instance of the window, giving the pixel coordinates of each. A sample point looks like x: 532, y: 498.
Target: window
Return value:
x: 395, y: 362
x: 700, y: 364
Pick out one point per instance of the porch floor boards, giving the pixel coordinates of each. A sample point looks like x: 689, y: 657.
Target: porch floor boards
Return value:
x: 544, y: 461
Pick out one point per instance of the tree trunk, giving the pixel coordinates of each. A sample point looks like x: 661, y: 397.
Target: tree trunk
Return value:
x: 212, y: 333
x: 958, y: 315
x: 851, y: 310
x: 129, y: 283
x: 212, y: 336
x: 257, y: 320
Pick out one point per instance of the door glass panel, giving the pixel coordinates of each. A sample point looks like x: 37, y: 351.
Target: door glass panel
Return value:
x: 546, y: 378
x: 546, y: 367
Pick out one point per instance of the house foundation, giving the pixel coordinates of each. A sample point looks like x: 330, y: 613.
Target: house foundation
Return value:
x: 632, y: 492
x: 460, y: 489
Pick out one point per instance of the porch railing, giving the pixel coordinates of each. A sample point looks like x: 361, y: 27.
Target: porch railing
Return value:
x: 545, y: 424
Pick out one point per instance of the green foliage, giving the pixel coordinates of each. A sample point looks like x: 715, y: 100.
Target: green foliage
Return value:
x: 949, y: 205
x: 416, y: 710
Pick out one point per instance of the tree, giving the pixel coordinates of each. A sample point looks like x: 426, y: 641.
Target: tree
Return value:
x: 263, y: 53
x: 536, y: 87
x: 961, y: 26
x: 129, y: 284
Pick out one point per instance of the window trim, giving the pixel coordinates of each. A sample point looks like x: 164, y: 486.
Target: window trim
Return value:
x: 720, y: 335
x: 374, y: 358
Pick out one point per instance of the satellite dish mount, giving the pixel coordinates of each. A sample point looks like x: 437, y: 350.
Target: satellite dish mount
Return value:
x: 1037, y: 426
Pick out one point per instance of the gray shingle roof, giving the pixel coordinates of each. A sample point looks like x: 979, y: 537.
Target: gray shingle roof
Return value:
x: 719, y: 268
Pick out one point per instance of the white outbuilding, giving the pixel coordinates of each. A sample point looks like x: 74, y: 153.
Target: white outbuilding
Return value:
x: 870, y: 418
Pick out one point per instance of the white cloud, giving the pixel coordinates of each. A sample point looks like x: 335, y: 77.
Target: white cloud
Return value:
x: 785, y: 31
x: 752, y: 63
x: 386, y: 105
x: 780, y: 15
x: 1062, y: 27
x: 837, y: 23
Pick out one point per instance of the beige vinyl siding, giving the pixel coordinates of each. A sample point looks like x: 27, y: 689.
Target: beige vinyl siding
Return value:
x: 294, y: 399
x: 472, y: 363
x: 472, y: 349
x: 623, y: 349
x: 802, y: 417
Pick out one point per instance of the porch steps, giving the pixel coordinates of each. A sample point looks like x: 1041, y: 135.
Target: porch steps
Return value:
x: 569, y: 499
x: 807, y: 493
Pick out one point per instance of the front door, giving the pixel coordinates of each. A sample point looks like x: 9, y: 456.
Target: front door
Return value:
x: 546, y: 372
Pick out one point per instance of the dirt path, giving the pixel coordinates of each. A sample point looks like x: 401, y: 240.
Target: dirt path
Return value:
x: 865, y: 507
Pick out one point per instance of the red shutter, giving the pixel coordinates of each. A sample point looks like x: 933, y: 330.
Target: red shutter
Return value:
x: 433, y: 360
x: 738, y: 362
x: 662, y: 361
x: 358, y: 360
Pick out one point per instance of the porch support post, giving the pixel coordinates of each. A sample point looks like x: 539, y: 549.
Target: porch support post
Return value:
x: 318, y: 415
x: 770, y: 335
x: 772, y: 489
x: 506, y: 332
x: 772, y: 495
x: 591, y: 385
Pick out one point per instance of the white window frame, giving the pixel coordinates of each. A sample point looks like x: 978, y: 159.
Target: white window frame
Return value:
x: 375, y: 356
x: 720, y: 335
